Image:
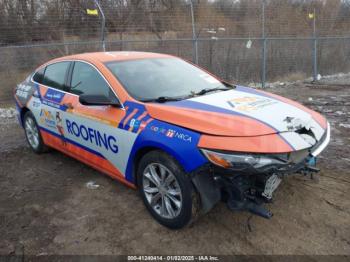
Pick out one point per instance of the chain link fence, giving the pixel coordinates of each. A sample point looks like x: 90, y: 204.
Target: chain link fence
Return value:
x: 251, y: 42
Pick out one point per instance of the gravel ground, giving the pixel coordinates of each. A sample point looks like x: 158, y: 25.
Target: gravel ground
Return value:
x: 52, y: 204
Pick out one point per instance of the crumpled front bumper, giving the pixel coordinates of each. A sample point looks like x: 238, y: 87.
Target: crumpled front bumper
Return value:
x: 245, y: 189
x: 322, y: 143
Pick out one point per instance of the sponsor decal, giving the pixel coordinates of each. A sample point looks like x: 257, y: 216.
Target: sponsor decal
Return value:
x: 36, y: 104
x: 184, y: 137
x: 59, y: 126
x: 249, y: 104
x: 159, y: 129
x: 23, y: 91
x: 51, y: 104
x: 92, y: 136
x: 47, y: 118
x: 134, y: 123
x: 54, y: 96
x: 171, y: 133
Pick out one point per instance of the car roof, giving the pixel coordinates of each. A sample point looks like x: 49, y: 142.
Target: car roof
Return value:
x: 104, y: 57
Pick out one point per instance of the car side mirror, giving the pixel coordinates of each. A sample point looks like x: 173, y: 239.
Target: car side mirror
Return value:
x: 98, y: 100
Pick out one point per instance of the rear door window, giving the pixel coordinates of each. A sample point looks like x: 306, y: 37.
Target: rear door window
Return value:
x: 55, y: 75
x: 39, y: 76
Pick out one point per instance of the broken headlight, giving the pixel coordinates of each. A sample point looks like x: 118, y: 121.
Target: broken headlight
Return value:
x: 240, y: 161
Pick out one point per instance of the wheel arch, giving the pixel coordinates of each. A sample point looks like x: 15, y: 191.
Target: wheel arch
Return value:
x: 22, y: 112
x: 136, y: 160
x: 138, y: 153
x: 154, y: 137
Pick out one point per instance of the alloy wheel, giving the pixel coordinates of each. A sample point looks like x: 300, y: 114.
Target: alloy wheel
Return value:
x: 32, y: 132
x: 162, y: 190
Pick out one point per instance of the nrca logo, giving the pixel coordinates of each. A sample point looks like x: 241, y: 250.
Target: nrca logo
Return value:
x: 170, y: 133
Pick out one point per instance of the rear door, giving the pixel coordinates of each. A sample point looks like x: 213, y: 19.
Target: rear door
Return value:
x: 47, y: 103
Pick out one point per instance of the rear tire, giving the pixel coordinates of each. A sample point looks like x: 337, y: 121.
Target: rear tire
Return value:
x: 166, y: 190
x: 32, y: 132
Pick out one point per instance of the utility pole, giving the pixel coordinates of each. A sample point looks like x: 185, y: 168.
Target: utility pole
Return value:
x: 263, y: 69
x: 103, y: 25
x: 315, y: 73
x: 194, y: 36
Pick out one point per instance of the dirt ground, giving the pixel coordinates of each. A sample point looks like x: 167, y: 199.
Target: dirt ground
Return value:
x: 46, y: 207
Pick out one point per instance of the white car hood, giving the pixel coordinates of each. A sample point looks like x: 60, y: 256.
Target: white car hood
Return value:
x: 221, y: 113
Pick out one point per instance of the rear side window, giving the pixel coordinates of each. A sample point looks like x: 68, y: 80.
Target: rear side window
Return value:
x: 55, y: 75
x: 86, y: 80
x: 39, y: 76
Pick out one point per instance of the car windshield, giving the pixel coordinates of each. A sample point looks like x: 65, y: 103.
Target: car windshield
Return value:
x: 151, y: 79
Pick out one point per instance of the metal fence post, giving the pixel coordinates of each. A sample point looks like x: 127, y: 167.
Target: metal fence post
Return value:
x: 194, y: 36
x: 264, y: 42
x: 315, y: 70
x: 103, y: 25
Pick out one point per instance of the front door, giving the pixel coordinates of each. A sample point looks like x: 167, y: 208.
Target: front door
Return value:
x: 92, y: 133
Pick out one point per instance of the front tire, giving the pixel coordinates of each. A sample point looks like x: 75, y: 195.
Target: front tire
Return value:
x: 33, y: 136
x: 166, y: 190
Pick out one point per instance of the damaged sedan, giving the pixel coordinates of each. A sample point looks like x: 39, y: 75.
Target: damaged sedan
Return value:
x: 181, y: 136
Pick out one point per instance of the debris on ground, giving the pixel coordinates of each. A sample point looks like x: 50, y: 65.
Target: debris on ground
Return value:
x: 8, y: 112
x: 92, y: 185
x: 340, y: 113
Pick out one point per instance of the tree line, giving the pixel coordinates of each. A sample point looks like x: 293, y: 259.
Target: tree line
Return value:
x: 28, y: 21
